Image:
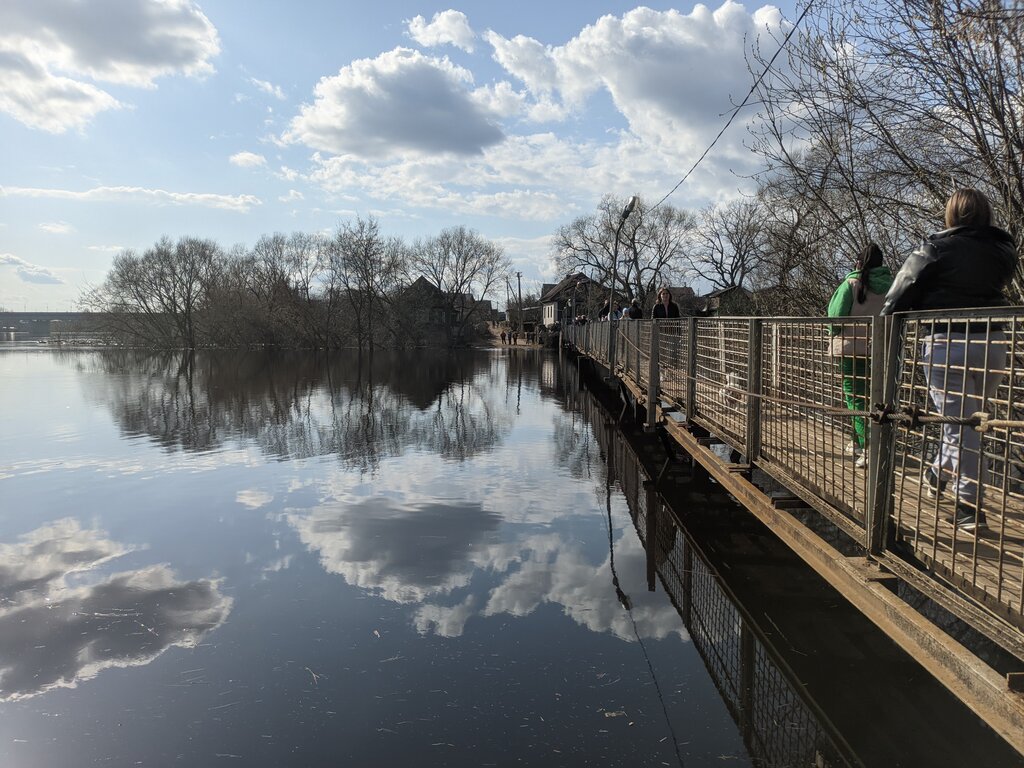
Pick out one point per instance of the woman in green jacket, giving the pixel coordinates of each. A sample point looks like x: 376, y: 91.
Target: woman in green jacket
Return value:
x: 862, y: 293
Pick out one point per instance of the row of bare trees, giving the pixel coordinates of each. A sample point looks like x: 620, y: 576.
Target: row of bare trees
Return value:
x: 355, y: 287
x: 872, y: 116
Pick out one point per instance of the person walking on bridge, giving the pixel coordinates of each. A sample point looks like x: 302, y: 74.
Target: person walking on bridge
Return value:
x: 665, y: 308
x: 965, y: 266
x: 862, y: 293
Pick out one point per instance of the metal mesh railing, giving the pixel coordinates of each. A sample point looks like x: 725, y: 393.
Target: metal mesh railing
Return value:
x: 805, y: 433
x: 779, y: 726
x: 673, y: 357
x: 803, y: 418
x: 721, y: 376
x: 958, y: 494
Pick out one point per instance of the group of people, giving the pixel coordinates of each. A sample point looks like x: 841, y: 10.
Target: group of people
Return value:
x: 663, y: 308
x: 966, y: 265
x: 509, y: 337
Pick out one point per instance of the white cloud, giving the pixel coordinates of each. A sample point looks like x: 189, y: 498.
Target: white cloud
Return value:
x: 241, y: 203
x: 253, y: 498
x: 292, y: 196
x: 398, y: 103
x: 106, y: 248
x: 56, y: 227
x: 268, y: 88
x: 447, y: 27
x: 500, y: 99
x: 29, y: 273
x: 672, y: 76
x: 47, y: 47
x: 34, y: 96
x: 526, y: 177
x: 247, y: 160
x: 526, y: 59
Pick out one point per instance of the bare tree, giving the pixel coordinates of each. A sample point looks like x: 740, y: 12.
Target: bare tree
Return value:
x: 156, y: 297
x: 652, y: 247
x: 465, y: 267
x: 882, y: 110
x: 729, y: 243
x: 367, y: 269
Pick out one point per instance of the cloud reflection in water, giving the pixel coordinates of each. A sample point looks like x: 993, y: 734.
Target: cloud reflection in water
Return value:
x: 421, y: 554
x: 54, y: 633
x: 403, y: 553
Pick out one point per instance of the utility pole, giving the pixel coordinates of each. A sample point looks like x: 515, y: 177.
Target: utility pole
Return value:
x: 519, y: 280
x: 508, y: 302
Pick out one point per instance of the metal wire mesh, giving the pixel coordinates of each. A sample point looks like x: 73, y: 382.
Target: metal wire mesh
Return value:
x: 805, y: 389
x: 673, y: 354
x: 947, y: 365
x: 959, y: 494
x: 721, y: 378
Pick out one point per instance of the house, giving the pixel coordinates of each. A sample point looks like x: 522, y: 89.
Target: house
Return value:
x: 435, y: 307
x: 577, y: 294
x: 734, y: 300
x: 428, y: 302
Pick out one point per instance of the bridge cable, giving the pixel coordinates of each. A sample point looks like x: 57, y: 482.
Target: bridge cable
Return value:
x: 741, y: 105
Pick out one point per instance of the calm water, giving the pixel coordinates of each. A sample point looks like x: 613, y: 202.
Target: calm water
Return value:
x: 301, y: 561
x: 292, y: 560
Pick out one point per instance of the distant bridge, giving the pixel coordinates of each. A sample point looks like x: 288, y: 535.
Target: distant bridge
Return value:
x: 44, y: 325
x: 770, y: 392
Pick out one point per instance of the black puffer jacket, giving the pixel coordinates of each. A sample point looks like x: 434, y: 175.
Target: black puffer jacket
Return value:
x: 957, y: 268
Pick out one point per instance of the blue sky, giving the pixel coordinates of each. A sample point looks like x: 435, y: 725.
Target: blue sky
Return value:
x: 125, y: 120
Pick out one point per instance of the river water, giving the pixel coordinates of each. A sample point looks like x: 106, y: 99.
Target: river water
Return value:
x: 269, y: 560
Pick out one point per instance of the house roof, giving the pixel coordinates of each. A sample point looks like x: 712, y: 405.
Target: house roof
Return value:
x: 723, y: 291
x: 566, y: 285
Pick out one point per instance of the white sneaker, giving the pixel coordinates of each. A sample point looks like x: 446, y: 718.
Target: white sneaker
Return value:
x: 862, y: 461
x: 852, y: 449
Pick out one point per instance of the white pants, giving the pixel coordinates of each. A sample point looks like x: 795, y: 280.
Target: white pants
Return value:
x: 963, y: 371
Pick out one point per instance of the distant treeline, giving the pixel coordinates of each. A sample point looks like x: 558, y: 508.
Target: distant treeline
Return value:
x: 355, y: 287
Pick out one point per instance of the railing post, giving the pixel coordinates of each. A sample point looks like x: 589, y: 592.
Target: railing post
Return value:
x: 635, y: 332
x: 691, y: 368
x: 612, y: 329
x: 754, y: 388
x: 886, y: 362
x: 653, y: 378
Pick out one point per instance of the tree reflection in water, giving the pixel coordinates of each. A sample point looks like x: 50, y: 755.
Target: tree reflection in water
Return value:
x: 296, y: 405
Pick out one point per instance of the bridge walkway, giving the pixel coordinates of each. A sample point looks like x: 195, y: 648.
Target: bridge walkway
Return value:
x: 769, y: 389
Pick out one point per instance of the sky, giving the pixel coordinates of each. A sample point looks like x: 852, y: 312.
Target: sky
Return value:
x: 122, y: 121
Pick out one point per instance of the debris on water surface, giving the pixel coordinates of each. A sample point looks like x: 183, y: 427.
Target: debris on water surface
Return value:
x: 315, y: 677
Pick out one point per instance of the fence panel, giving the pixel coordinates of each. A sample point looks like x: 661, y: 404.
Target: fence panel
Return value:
x: 958, y: 494
x: 673, y: 353
x: 721, y: 378
x: 806, y: 434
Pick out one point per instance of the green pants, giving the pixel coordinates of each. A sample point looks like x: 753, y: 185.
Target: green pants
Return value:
x: 856, y: 382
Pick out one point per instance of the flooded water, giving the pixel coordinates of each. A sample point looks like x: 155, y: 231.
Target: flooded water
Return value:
x: 258, y: 560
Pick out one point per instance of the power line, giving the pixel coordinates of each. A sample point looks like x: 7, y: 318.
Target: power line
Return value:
x: 742, y: 104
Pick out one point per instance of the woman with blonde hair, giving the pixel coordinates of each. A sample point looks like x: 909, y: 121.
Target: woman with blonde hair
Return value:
x: 966, y: 265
